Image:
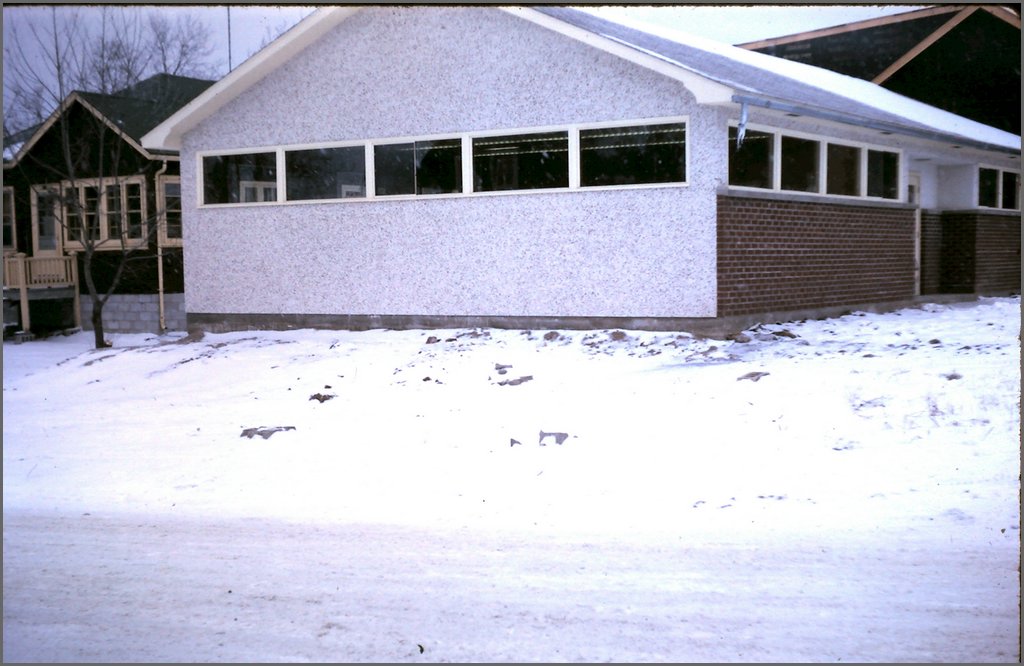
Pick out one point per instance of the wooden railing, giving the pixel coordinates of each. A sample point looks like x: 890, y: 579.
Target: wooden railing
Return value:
x: 39, y: 272
x: 30, y: 273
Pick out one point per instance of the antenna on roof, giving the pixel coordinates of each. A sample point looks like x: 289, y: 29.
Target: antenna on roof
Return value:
x: 229, y: 39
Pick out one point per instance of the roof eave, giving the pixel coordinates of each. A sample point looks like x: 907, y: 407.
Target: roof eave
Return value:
x: 704, y: 89
x: 894, y: 128
x: 63, y: 108
x: 168, y: 134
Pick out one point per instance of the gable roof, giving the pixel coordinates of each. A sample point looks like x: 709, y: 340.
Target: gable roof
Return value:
x: 131, y: 112
x: 716, y: 73
x: 941, y: 13
x: 961, y: 58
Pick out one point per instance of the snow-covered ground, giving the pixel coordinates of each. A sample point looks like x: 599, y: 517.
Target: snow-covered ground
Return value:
x: 844, y: 489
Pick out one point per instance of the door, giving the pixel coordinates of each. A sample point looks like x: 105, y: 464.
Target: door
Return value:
x: 914, y: 198
x: 46, y: 227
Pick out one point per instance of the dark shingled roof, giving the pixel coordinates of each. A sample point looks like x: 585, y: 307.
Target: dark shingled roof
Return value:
x: 141, y: 107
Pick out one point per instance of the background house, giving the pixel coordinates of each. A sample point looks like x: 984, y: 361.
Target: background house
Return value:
x: 139, y: 193
x: 535, y: 167
x: 961, y: 58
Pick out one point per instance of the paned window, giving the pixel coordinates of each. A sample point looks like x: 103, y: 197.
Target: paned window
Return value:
x: 843, y: 170
x: 988, y: 187
x: 633, y: 155
x: 325, y: 173
x: 998, y: 188
x: 883, y: 174
x: 800, y: 169
x: 115, y: 211
x: 521, y: 162
x: 1011, y: 190
x: 419, y: 167
x: 750, y: 161
x: 82, y: 212
x: 247, y: 178
x: 46, y: 207
x: 172, y: 210
x: 9, y: 240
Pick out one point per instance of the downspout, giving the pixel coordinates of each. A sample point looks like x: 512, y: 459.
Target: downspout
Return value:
x: 741, y: 129
x: 160, y: 251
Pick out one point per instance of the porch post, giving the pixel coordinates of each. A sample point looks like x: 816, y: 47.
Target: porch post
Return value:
x: 74, y: 285
x: 23, y: 291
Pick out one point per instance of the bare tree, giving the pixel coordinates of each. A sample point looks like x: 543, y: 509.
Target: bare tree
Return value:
x: 40, y: 70
x: 183, y: 46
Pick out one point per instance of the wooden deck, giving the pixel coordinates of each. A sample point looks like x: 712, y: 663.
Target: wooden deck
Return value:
x: 29, y: 278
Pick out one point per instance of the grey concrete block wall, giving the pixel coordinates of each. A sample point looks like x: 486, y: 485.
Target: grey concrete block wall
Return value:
x: 137, y: 313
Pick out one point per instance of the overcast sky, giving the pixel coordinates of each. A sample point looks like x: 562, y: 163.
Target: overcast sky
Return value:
x: 252, y: 26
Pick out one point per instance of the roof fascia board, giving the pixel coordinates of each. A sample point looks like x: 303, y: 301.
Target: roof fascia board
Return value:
x: 705, y: 90
x: 850, y: 27
x: 846, y: 119
x: 944, y: 29
x: 1004, y: 13
x: 59, y: 112
x: 167, y: 135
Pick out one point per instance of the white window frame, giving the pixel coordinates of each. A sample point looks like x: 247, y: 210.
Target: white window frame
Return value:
x: 278, y: 166
x: 823, y: 141
x: 161, y: 204
x: 466, y: 138
x: 105, y: 241
x: 10, y: 219
x: 999, y: 187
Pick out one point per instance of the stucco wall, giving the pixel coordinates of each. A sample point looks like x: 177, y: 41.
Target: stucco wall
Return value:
x: 401, y: 72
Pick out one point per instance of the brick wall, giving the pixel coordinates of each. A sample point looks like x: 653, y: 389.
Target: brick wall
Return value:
x: 931, y: 253
x: 959, y: 232
x: 997, y: 254
x: 776, y: 255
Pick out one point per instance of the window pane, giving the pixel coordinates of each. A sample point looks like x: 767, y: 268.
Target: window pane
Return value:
x: 521, y: 162
x: 326, y: 173
x: 883, y: 174
x: 843, y: 170
x: 438, y: 166
x: 133, y: 212
x: 238, y: 178
x: 394, y: 168
x: 988, y: 187
x: 8, y: 218
x: 750, y: 162
x: 1011, y: 190
x: 92, y: 209
x: 799, y: 164
x: 632, y: 155
x: 172, y: 209
x: 47, y: 205
x: 114, y: 211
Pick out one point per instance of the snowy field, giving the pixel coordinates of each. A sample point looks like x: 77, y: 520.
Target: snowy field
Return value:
x: 835, y: 490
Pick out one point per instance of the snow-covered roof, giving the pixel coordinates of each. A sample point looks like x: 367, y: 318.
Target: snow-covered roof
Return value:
x: 759, y: 77
x: 723, y: 74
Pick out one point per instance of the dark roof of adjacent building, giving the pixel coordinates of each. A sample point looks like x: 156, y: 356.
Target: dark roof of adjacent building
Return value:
x: 134, y: 110
x: 962, y: 58
x: 140, y: 108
